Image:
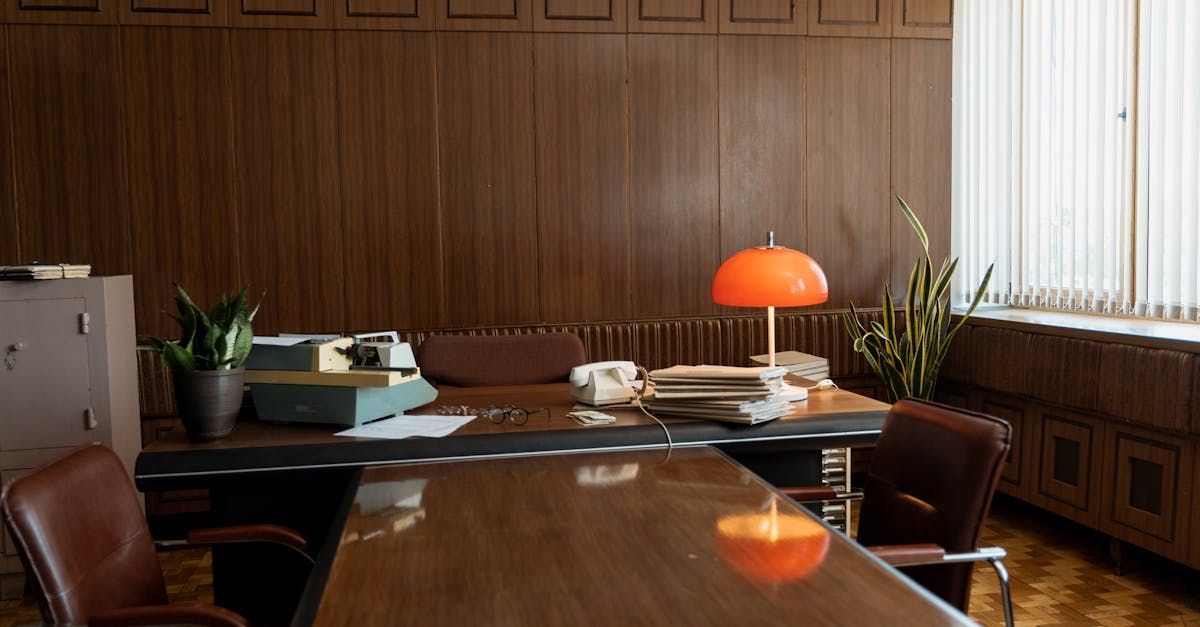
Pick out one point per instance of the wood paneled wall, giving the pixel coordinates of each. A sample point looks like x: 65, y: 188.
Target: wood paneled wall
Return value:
x: 421, y: 165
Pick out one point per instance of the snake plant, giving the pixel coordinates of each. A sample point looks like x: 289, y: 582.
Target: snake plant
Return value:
x: 220, y: 339
x: 907, y: 355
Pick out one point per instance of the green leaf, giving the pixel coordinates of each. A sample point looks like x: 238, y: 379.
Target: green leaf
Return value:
x: 176, y: 358
x: 916, y: 224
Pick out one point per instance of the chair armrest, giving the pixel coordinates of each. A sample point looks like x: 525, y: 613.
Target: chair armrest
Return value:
x: 812, y: 494
x: 909, y: 554
x: 275, y: 534
x: 174, y: 614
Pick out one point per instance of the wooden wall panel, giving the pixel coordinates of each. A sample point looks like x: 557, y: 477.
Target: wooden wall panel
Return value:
x: 61, y: 11
x: 582, y: 177
x: 672, y: 16
x: 600, y: 16
x: 69, y: 146
x: 1061, y: 370
x: 290, y: 226
x: 485, y: 95
x: 850, y: 18
x: 1164, y: 396
x: 762, y: 142
x: 10, y: 248
x: 999, y: 359
x: 485, y: 15
x: 849, y: 205
x: 181, y: 168
x: 763, y: 17
x: 920, y: 134
x: 282, y: 13
x: 388, y: 121
x: 928, y: 19
x: 385, y: 14
x: 674, y: 193
x: 175, y: 12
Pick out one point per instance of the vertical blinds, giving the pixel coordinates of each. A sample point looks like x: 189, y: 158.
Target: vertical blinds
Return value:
x: 1168, y: 270
x: 1045, y: 156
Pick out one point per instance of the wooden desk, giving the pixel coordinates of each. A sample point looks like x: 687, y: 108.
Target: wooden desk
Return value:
x: 613, y: 538
x: 829, y: 418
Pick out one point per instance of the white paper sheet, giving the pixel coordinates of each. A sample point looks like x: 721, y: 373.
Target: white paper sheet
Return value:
x: 260, y: 340
x: 400, y: 427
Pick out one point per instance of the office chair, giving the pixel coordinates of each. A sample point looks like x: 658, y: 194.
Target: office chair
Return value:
x: 483, y: 360
x: 931, y: 481
x: 88, y: 552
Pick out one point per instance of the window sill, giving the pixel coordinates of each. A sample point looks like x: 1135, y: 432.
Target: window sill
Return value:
x: 1180, y: 336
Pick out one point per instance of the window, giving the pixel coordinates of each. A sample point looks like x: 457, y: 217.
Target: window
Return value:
x: 1077, y: 154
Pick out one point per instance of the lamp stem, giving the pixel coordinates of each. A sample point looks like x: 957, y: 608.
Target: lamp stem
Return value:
x: 771, y: 334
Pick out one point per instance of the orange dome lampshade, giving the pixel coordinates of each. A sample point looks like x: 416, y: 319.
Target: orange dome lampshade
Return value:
x: 770, y: 276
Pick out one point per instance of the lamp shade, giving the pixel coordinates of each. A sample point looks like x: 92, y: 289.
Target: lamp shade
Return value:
x: 770, y: 276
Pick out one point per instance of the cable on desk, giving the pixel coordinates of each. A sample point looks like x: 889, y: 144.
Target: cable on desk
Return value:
x: 638, y: 401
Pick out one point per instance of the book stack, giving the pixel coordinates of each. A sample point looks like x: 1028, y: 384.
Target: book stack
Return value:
x: 743, y: 395
x: 799, y: 364
x: 42, y: 271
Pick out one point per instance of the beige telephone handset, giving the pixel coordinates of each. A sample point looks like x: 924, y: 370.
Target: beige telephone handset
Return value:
x: 604, y: 383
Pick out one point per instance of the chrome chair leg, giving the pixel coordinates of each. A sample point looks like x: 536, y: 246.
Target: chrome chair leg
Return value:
x: 1005, y: 593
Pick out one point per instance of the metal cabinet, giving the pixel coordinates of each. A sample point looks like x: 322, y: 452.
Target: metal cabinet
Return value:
x: 68, y: 376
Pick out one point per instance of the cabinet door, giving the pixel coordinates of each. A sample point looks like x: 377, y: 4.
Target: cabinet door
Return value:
x: 174, y: 12
x: 672, y: 16
x: 44, y: 380
x: 385, y: 14
x: 484, y: 15
x: 61, y: 11
x: 282, y: 13
x: 923, y: 19
x: 1068, y: 465
x: 850, y: 18
x: 595, y: 16
x: 1012, y: 479
x: 763, y: 17
x: 1147, y: 479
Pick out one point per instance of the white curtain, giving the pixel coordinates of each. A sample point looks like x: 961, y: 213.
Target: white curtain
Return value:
x: 1049, y: 98
x: 1168, y: 165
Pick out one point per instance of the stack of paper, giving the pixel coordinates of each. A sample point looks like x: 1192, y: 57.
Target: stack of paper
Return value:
x: 797, y: 363
x: 41, y: 271
x: 745, y: 395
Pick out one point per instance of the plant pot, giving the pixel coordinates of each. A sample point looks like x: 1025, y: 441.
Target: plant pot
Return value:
x: 209, y: 402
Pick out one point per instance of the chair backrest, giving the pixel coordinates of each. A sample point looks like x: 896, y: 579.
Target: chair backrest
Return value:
x: 931, y: 480
x: 499, y: 359
x: 82, y: 537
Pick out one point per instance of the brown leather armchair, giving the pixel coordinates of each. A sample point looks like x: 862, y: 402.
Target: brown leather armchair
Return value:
x: 479, y: 360
x: 87, y: 549
x: 931, y: 481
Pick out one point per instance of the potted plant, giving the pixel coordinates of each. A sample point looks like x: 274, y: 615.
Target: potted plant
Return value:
x: 207, y: 363
x: 908, y: 357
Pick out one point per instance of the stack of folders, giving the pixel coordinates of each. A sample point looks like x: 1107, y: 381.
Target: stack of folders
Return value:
x: 41, y: 271
x: 799, y: 364
x: 744, y: 395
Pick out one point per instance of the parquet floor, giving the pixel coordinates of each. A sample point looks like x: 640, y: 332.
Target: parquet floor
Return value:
x: 1060, y: 572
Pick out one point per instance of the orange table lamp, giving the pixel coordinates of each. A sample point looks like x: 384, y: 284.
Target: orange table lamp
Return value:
x: 770, y: 276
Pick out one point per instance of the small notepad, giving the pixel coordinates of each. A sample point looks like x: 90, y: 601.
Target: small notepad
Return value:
x: 400, y: 427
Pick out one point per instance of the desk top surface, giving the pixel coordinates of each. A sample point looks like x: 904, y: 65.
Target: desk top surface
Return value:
x: 635, y: 537
x: 256, y: 445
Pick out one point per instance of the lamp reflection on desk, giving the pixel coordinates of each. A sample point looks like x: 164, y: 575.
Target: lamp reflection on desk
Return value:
x: 769, y: 547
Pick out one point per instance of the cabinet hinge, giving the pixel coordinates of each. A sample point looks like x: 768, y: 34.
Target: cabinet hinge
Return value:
x: 85, y: 321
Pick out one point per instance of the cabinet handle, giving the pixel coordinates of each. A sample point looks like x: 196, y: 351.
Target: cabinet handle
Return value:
x: 89, y: 419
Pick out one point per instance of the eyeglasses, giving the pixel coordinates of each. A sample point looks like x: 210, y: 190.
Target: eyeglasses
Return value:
x: 516, y: 415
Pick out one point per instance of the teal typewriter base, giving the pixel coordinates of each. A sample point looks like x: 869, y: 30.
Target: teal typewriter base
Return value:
x: 347, y: 406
